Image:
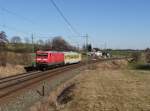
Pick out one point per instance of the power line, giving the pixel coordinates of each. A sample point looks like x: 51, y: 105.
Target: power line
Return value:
x: 38, y: 35
x: 14, y: 29
x: 28, y: 20
x: 19, y: 16
x: 65, y: 19
x: 16, y: 14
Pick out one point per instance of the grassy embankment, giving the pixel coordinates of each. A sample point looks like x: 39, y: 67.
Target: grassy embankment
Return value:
x: 13, y: 58
x: 15, y: 63
x: 107, y: 86
x: 111, y: 86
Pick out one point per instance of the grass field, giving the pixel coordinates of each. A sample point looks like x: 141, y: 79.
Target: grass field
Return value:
x: 10, y: 70
x: 15, y: 63
x: 121, y: 53
x: 111, y: 87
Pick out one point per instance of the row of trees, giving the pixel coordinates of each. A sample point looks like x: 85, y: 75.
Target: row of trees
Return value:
x: 18, y: 45
x: 57, y: 44
x: 25, y: 47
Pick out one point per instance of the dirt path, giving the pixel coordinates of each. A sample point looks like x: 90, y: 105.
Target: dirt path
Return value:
x: 111, y: 89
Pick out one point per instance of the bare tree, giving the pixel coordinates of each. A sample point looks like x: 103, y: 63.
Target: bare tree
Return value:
x: 48, y: 45
x: 59, y: 44
x: 39, y: 45
x: 3, y: 52
x: 16, y: 40
x: 40, y: 42
x: 3, y: 37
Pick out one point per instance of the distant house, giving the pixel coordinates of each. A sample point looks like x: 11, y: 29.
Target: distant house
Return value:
x: 99, y: 53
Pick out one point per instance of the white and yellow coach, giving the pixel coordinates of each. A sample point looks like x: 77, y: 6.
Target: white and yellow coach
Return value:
x: 72, y: 57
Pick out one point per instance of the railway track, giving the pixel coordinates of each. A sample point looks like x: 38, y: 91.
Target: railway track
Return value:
x: 13, y: 77
x: 12, y: 84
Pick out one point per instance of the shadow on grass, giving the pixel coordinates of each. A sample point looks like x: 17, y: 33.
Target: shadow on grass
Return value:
x: 142, y: 66
x: 67, y: 95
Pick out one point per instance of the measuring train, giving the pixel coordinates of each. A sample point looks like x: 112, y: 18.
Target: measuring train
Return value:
x: 47, y: 59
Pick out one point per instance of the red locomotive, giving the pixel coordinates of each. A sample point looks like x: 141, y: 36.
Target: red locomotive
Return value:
x: 49, y: 59
x: 44, y: 59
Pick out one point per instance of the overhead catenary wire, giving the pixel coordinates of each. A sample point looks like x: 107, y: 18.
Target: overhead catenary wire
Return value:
x: 14, y: 29
x: 30, y: 21
x: 65, y: 18
x: 67, y: 21
x: 38, y: 35
x: 19, y: 16
x: 16, y: 14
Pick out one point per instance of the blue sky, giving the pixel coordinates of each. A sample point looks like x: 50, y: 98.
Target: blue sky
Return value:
x: 118, y: 23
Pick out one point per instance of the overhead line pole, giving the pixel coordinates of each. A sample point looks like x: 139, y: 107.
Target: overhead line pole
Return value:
x: 33, y: 49
x: 86, y: 41
x: 32, y: 43
x: 86, y: 46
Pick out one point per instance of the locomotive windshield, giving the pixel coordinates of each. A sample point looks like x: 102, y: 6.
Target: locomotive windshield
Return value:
x: 42, y: 55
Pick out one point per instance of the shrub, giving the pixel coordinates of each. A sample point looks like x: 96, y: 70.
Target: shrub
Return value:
x: 3, y: 55
x: 136, y: 56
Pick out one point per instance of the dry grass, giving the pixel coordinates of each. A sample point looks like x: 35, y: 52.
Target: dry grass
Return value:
x: 111, y: 90
x: 18, y: 58
x: 51, y: 102
x: 11, y: 70
x: 15, y: 63
x: 107, y: 86
x: 114, y: 64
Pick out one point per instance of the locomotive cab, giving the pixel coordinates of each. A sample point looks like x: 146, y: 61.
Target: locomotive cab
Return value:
x: 49, y: 59
x: 42, y: 60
